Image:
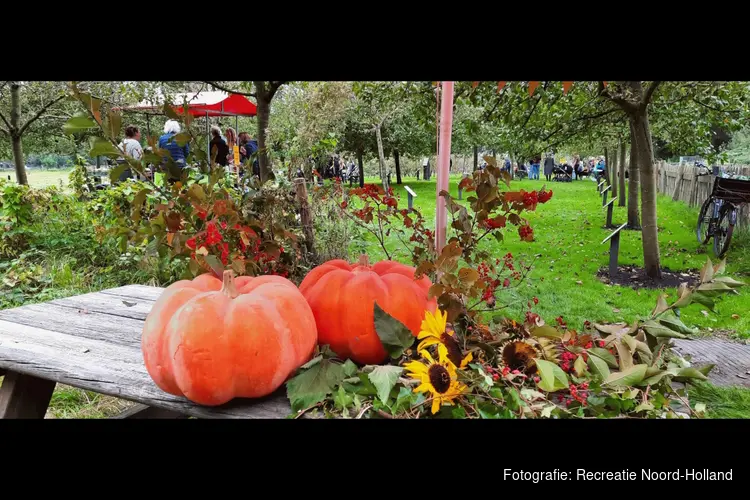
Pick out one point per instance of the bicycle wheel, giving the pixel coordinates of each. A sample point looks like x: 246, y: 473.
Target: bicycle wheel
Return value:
x: 724, y: 230
x: 704, y: 221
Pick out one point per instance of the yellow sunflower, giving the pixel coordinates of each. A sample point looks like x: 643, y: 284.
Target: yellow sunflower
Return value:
x: 434, y: 331
x: 438, y: 378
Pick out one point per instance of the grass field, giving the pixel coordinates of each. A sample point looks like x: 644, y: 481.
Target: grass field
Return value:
x: 44, y: 178
x: 568, y: 233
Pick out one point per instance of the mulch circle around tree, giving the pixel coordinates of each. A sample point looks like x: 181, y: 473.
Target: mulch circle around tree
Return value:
x: 635, y: 277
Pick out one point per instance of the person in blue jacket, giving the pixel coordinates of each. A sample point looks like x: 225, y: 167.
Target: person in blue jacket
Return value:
x: 179, y: 153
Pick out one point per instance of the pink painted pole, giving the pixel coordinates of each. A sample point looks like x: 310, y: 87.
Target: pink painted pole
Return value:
x: 443, y: 167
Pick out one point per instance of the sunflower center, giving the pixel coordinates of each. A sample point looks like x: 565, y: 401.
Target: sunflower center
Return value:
x: 454, y: 350
x: 439, y: 378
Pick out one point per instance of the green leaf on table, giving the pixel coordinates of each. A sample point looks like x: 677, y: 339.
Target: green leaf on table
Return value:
x: 707, y: 273
x: 676, y: 325
x: 478, y: 368
x: 384, y: 378
x: 715, y: 288
x: 630, y: 342
x: 552, y: 377
x: 661, y: 305
x: 598, y: 367
x: 312, y: 385
x: 78, y: 123
x: 685, y: 294
x: 579, y: 366
x: 732, y: 283
x: 659, y: 330
x: 341, y: 399
x: 703, y: 299
x: 404, y: 399
x: 690, y: 373
x: 644, y: 407
x: 458, y: 412
x: 604, y: 355
x: 547, y: 411
x: 393, y: 334
x: 312, y: 362
x: 705, y: 369
x: 624, y: 355
x: 630, y: 377
x: 350, y: 368
x: 546, y: 331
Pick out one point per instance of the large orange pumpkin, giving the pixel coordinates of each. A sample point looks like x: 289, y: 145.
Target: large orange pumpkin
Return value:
x: 342, y: 298
x: 211, y: 341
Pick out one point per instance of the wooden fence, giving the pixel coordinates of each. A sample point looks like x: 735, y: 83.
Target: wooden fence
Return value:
x: 682, y: 183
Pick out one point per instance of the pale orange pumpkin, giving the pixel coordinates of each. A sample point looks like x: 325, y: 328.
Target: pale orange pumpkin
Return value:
x: 342, y: 297
x: 212, y: 342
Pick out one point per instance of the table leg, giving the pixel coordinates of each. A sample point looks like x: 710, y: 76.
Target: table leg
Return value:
x: 24, y: 396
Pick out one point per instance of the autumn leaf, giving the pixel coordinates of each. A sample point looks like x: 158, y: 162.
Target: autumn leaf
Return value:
x: 566, y: 87
x: 532, y: 87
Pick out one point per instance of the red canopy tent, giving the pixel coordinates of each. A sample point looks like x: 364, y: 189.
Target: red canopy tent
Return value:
x: 204, y: 104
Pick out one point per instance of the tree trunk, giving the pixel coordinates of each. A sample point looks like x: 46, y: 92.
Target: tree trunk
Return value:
x: 476, y: 160
x: 398, y: 166
x: 381, y: 158
x: 645, y: 150
x: 621, y: 202
x: 21, y: 177
x: 361, y: 169
x: 15, y: 136
x: 607, y: 166
x: 633, y: 182
x: 262, y: 114
x: 614, y: 170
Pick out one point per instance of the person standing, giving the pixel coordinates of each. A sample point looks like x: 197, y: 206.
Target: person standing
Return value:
x: 549, y: 165
x: 222, y: 150
x: 132, y: 147
x: 178, y: 153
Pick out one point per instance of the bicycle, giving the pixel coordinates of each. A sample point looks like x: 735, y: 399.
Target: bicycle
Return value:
x: 718, y: 215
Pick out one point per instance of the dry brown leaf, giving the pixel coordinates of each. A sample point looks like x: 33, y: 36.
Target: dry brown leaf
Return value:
x: 735, y: 316
x: 579, y: 282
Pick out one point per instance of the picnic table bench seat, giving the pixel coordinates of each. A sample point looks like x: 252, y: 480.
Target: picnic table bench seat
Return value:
x: 93, y: 342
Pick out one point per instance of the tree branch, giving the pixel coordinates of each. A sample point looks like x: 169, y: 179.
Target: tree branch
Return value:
x: 40, y: 113
x: 272, y: 88
x: 649, y: 92
x: 626, y: 105
x: 230, y: 91
x: 7, y: 124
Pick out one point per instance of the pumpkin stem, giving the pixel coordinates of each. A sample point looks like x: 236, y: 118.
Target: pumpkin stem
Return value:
x: 228, y: 287
x: 364, y: 260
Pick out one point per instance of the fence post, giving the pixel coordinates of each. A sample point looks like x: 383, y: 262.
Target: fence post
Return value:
x: 304, y: 214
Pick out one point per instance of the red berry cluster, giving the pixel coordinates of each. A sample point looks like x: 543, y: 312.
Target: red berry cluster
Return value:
x: 530, y: 200
x: 567, y: 358
x: 526, y: 233
x: 544, y: 196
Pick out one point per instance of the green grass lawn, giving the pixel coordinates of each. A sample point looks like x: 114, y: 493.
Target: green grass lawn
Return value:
x: 568, y: 234
x: 44, y: 178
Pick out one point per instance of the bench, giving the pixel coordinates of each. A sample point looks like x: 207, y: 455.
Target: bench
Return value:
x: 93, y: 342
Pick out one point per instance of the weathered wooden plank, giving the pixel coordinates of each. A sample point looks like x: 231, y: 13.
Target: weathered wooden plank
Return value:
x: 140, y: 411
x: 111, y: 369
x: 78, y: 322
x: 112, y: 305
x: 24, y: 396
x: 142, y: 292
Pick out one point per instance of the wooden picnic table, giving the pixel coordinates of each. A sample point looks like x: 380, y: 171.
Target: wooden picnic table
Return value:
x: 93, y: 342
